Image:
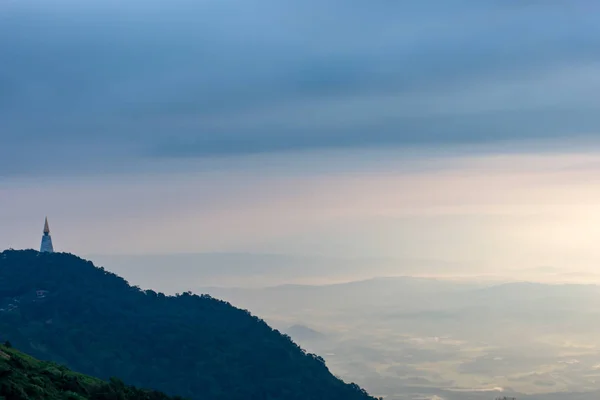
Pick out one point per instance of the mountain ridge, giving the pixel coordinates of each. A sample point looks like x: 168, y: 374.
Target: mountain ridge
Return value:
x: 67, y: 310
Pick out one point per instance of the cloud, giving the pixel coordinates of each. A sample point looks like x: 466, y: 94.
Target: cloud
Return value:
x: 490, y: 389
x: 83, y: 84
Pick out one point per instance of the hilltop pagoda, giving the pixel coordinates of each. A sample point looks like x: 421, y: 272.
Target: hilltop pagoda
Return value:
x: 46, y: 246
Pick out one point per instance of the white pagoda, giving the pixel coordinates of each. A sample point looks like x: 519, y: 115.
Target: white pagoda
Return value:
x: 46, y: 246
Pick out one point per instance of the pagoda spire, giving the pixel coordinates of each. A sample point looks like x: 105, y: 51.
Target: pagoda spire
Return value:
x: 46, y: 246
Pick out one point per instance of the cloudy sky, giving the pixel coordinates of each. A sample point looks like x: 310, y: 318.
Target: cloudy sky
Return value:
x: 461, y: 131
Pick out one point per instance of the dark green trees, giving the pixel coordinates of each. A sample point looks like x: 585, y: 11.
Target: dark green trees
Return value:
x: 24, y: 378
x: 189, y: 345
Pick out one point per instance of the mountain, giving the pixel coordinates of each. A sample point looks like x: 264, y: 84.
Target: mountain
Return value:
x: 301, y: 332
x: 25, y: 378
x: 366, y: 298
x: 62, y: 308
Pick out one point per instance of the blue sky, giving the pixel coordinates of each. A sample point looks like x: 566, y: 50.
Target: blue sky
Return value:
x: 116, y: 112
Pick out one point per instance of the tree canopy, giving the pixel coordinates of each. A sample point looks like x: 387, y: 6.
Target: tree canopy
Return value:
x: 25, y: 378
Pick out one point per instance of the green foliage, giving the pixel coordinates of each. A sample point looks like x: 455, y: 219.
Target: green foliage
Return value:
x: 24, y: 378
x: 189, y: 345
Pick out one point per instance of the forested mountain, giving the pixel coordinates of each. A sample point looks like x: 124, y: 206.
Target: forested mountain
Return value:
x: 25, y: 378
x: 59, y: 307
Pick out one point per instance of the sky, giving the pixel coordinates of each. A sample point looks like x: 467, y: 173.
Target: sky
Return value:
x: 462, y: 132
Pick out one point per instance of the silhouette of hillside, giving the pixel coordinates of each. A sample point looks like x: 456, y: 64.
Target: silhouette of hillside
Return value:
x: 25, y: 378
x: 62, y: 308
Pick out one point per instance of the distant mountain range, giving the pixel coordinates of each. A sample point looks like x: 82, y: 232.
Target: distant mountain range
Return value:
x: 62, y: 308
x: 259, y: 270
x: 302, y: 332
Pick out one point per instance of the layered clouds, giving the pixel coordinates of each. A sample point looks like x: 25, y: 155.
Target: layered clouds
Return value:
x: 92, y: 83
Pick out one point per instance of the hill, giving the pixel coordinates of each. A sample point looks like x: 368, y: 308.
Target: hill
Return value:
x: 302, y: 332
x: 25, y: 378
x: 62, y: 308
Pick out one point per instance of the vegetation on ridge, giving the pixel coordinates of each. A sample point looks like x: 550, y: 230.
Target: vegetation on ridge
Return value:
x: 25, y: 378
x: 62, y: 308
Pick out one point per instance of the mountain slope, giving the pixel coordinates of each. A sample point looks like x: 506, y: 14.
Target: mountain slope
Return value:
x: 62, y: 308
x: 25, y: 378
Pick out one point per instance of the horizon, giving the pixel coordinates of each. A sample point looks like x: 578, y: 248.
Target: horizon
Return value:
x: 147, y: 271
